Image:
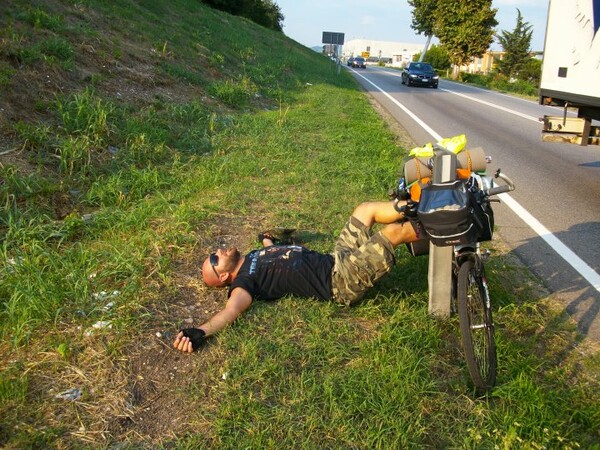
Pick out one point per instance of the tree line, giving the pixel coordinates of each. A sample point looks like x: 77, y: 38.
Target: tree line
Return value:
x: 263, y: 12
x: 465, y: 29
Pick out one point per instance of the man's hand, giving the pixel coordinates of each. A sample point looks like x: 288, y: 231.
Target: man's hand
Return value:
x: 189, y: 339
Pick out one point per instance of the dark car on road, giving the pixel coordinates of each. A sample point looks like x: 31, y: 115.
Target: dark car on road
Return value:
x: 358, y: 61
x: 420, y: 74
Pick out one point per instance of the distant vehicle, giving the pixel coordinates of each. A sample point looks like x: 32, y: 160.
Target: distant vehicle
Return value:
x: 350, y: 61
x: 421, y: 74
x: 358, y: 61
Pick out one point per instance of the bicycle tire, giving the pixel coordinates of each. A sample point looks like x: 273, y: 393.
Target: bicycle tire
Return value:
x: 476, y: 326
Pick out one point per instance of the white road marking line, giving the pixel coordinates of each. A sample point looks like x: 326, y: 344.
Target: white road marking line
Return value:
x: 491, y: 105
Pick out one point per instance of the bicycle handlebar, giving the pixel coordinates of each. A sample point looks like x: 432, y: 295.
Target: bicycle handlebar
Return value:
x: 509, y: 186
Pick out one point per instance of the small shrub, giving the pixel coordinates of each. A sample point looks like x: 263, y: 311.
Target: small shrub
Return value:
x: 475, y: 78
x: 500, y: 82
x: 524, y: 87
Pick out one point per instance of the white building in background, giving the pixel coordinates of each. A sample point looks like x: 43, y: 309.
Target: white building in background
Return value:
x: 398, y: 54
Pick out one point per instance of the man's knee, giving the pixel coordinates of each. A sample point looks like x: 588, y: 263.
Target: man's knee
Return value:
x: 361, y: 209
x: 400, y: 233
x: 365, y: 212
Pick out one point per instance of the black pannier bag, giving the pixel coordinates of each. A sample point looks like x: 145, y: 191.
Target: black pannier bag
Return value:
x: 418, y: 248
x: 483, y: 215
x: 447, y: 214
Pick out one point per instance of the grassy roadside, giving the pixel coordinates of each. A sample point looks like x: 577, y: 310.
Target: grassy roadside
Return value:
x: 281, y: 140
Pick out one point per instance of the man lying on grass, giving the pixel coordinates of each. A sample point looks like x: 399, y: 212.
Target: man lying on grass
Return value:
x: 360, y: 258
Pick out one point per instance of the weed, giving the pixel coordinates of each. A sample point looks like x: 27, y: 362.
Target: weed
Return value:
x: 140, y: 151
x: 282, y: 115
x: 88, y: 115
x: 162, y: 50
x: 6, y: 74
x: 75, y: 153
x: 34, y: 137
x: 234, y: 93
x: 42, y: 20
x: 216, y: 59
x: 58, y: 48
x: 16, y: 185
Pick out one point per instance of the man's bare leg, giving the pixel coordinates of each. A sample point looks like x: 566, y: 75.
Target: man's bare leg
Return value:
x: 370, y: 213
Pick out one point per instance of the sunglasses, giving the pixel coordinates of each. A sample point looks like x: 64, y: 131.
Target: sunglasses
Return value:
x: 213, y: 258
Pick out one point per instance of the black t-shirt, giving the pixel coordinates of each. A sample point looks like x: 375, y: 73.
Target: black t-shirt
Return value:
x: 275, y: 271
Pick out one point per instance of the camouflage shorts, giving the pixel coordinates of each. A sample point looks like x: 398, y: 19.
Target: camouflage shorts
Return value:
x: 361, y: 258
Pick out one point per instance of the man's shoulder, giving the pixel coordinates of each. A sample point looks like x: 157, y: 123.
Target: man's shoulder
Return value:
x: 237, y: 291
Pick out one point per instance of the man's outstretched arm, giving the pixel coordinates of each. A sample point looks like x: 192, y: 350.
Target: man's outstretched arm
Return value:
x: 239, y: 301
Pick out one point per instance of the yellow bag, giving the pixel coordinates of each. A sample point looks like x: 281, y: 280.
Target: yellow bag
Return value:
x: 454, y: 144
x: 422, y: 152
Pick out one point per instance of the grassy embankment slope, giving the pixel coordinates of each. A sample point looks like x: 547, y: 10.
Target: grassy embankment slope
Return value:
x: 135, y: 137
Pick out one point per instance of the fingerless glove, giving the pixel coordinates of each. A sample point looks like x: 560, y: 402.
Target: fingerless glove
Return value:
x: 197, y: 336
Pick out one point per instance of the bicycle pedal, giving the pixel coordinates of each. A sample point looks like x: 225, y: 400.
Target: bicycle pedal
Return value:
x: 486, y: 255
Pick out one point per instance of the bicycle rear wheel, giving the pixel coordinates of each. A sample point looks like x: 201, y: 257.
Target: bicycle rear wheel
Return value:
x: 476, y: 326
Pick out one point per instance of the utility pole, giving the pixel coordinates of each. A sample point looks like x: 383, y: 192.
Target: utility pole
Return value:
x: 426, y: 48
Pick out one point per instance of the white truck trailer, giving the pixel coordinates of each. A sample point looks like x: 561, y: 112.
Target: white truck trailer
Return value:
x: 571, y: 71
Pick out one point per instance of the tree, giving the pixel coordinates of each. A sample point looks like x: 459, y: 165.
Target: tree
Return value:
x: 266, y: 13
x: 423, y: 19
x: 263, y: 12
x: 531, y: 71
x: 516, y: 45
x: 437, y: 56
x: 465, y: 28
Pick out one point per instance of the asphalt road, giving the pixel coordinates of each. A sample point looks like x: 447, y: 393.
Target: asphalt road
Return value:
x: 552, y: 220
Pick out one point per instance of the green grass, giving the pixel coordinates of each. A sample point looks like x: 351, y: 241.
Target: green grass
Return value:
x: 122, y: 195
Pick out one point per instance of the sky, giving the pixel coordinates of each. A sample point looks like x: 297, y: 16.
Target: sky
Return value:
x: 389, y: 20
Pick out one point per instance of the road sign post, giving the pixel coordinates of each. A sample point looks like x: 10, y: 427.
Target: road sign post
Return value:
x: 439, y: 276
x: 337, y: 39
